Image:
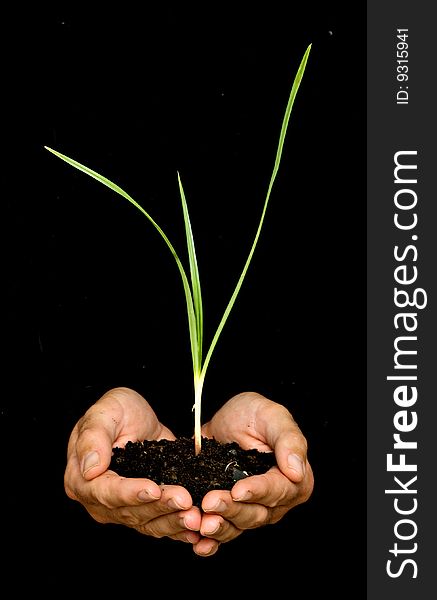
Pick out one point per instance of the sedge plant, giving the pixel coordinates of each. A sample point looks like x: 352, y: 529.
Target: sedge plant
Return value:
x: 191, y: 285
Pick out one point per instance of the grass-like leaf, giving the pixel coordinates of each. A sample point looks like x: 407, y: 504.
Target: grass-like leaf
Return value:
x: 195, y: 280
x: 193, y: 296
x: 294, y: 89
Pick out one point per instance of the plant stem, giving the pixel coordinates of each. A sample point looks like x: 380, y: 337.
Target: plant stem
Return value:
x: 198, y: 387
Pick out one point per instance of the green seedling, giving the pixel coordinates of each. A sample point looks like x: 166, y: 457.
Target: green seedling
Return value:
x: 193, y: 296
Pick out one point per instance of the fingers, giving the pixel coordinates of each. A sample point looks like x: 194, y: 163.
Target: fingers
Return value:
x: 142, y: 505
x: 225, y: 518
x: 273, y: 489
x: 160, y: 519
x: 253, y: 502
x: 206, y: 547
x: 114, y: 492
x: 176, y: 525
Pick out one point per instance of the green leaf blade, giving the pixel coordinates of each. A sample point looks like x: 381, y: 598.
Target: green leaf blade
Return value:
x: 191, y: 313
x: 294, y: 89
x: 195, y: 278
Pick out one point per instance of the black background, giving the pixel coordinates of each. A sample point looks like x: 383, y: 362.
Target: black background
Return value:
x: 94, y: 298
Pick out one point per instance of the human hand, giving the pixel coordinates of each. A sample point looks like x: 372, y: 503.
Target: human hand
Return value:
x: 118, y: 416
x: 253, y: 421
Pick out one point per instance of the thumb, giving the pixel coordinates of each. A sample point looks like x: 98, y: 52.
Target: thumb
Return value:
x: 291, y: 455
x: 94, y: 447
x: 290, y: 446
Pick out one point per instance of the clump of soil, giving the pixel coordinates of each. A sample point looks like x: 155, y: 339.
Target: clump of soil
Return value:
x: 173, y: 462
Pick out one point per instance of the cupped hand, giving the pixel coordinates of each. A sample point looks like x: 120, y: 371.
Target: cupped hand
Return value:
x: 118, y: 416
x: 254, y: 421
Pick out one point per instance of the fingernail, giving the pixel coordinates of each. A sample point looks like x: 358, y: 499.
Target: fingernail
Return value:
x: 192, y: 537
x: 187, y: 526
x: 213, y: 531
x: 296, y: 464
x: 173, y: 503
x: 244, y: 497
x: 212, y: 550
x: 91, y: 460
x: 146, y: 496
x: 217, y: 508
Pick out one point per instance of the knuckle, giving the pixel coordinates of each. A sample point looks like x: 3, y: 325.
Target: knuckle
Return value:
x: 101, y: 498
x: 276, y: 515
x: 281, y: 491
x: 150, y: 529
x: 127, y: 516
x: 71, y: 493
x: 308, y: 488
x: 260, y: 517
x: 282, y: 497
x: 100, y: 518
x: 299, y: 441
x: 84, y: 424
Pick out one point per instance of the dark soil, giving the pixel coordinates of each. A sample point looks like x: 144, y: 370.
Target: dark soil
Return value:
x: 217, y: 467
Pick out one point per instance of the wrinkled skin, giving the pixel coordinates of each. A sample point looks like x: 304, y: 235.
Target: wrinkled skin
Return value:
x: 249, y: 419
